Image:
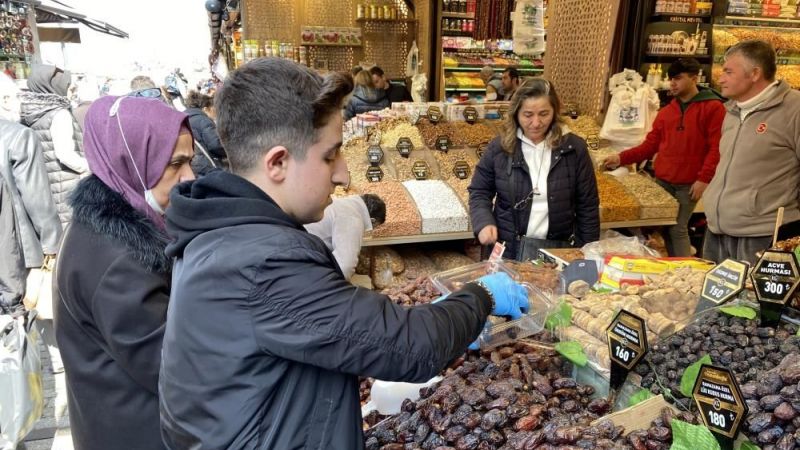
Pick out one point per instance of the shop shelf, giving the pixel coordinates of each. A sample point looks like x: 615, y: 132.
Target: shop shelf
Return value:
x: 329, y: 45
x: 496, y: 69
x: 447, y: 33
x: 454, y: 15
x: 364, y: 19
x: 459, y: 89
x: 672, y: 55
x: 699, y: 16
x: 755, y: 20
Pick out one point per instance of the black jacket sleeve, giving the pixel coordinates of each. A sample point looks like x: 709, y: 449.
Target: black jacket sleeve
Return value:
x: 482, y: 189
x: 304, y: 311
x: 130, y: 310
x: 587, y: 200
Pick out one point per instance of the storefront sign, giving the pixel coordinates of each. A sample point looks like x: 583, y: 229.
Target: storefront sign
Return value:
x: 470, y: 114
x: 627, y: 344
x: 434, y: 114
x: 443, y: 143
x: 405, y: 146
x: 420, y: 170
x: 775, y: 278
x: 375, y: 155
x: 723, y: 283
x: 720, y: 402
x: 374, y: 174
x: 461, y: 170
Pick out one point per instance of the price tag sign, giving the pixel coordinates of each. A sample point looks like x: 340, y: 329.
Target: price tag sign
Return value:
x: 461, y: 170
x: 572, y: 110
x: 482, y: 149
x: 723, y: 283
x: 470, y: 114
x: 420, y: 170
x: 374, y: 174
x: 502, y: 111
x: 593, y: 141
x: 434, y: 114
x: 775, y: 278
x: 374, y: 155
x: 627, y: 344
x: 720, y: 401
x: 443, y: 143
x: 405, y: 146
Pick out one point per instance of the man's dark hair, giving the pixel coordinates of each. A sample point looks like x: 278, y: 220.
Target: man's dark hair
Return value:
x: 689, y: 66
x: 376, y: 208
x: 375, y: 70
x: 272, y: 101
x: 759, y: 53
x: 197, y: 100
x: 512, y: 72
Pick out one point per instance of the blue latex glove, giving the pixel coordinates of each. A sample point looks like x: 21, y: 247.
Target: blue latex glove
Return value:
x: 510, y: 298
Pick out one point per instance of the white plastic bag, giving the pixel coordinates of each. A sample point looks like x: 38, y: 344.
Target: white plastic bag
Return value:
x: 612, y: 242
x: 21, y: 395
x: 387, y: 396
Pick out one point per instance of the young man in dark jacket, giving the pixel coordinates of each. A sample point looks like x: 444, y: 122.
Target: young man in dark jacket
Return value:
x: 685, y: 136
x: 265, y: 339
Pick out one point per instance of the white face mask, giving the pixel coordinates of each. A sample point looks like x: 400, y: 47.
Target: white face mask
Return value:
x: 491, y: 97
x: 152, y: 203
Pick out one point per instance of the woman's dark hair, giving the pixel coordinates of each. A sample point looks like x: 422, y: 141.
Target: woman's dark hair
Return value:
x: 532, y: 88
x: 376, y: 208
x: 198, y: 100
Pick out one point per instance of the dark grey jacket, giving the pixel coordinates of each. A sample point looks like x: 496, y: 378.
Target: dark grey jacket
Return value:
x: 572, y: 199
x: 265, y: 338
x: 364, y: 100
x: 110, y: 300
x: 30, y: 224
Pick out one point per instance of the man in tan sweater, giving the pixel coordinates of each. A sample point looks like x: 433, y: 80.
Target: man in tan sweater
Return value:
x: 759, y: 168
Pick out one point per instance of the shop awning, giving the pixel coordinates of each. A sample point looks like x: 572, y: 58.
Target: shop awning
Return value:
x: 53, y: 11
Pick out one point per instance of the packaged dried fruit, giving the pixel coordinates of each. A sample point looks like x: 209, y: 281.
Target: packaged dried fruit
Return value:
x: 497, y: 334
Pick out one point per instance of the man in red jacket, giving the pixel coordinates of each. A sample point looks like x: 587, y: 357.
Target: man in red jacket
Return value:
x: 685, y: 136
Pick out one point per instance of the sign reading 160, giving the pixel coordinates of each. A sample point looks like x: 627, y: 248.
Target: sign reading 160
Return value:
x: 716, y: 419
x: 622, y: 353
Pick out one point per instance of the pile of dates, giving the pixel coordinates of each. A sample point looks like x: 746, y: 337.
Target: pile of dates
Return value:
x: 774, y: 403
x: 748, y: 349
x: 514, y: 398
x: 417, y: 292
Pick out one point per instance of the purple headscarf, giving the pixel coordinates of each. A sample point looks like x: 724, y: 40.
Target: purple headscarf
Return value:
x: 151, y: 129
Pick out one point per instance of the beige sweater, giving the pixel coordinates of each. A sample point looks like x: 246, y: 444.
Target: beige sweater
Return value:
x: 759, y: 167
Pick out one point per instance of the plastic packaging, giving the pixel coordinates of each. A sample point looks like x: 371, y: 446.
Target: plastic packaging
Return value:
x: 452, y: 280
x: 387, y: 396
x: 497, y: 334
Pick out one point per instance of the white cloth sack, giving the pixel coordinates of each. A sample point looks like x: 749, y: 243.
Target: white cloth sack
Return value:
x: 21, y: 395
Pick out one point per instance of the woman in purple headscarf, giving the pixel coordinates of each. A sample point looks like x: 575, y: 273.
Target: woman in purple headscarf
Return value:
x: 112, y: 279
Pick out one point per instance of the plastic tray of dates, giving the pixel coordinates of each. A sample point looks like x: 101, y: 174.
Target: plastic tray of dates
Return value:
x: 452, y: 280
x: 501, y: 333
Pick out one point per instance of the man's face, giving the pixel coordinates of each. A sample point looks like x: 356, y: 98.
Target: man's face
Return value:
x: 177, y: 171
x: 682, y: 84
x: 738, y: 77
x: 378, y: 81
x: 508, y: 82
x: 311, y: 182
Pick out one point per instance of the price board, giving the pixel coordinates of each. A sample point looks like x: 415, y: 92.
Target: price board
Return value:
x: 724, y: 282
x: 627, y: 344
x: 405, y: 147
x: 461, y: 170
x: 420, y: 170
x: 775, y: 278
x: 434, y: 114
x: 717, y: 395
x: 375, y: 155
x: 443, y: 143
x: 374, y: 174
x: 470, y: 114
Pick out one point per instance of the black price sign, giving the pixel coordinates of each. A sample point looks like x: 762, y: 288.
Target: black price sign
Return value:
x: 374, y: 174
x: 775, y: 278
x: 724, y: 282
x: 470, y: 114
x: 420, y: 170
x: 375, y: 155
x: 461, y: 170
x: 572, y: 110
x: 627, y: 344
x: 482, y: 149
x: 720, y: 401
x: 405, y: 146
x: 502, y: 111
x: 443, y: 143
x: 434, y: 114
